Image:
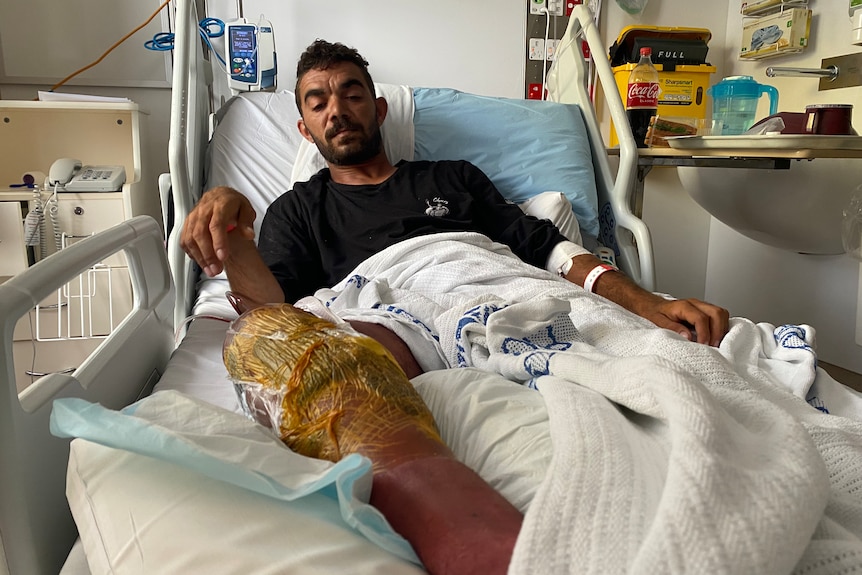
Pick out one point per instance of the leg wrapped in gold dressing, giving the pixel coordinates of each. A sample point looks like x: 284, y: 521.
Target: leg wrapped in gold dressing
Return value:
x: 329, y: 391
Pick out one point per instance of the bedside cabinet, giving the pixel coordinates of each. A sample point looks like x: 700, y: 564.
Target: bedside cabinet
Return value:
x: 60, y: 333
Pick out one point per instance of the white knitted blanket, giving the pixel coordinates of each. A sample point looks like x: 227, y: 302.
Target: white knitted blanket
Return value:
x: 669, y: 456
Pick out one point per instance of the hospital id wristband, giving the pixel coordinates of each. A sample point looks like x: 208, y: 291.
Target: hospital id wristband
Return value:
x: 594, y: 274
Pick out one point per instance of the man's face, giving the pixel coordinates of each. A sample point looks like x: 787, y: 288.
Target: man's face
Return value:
x: 340, y: 115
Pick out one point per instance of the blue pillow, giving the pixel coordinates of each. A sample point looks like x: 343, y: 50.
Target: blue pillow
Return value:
x: 524, y: 146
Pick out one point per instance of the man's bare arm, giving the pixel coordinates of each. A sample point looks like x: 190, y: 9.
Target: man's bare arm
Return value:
x: 219, y: 235
x: 248, y: 275
x: 693, y: 319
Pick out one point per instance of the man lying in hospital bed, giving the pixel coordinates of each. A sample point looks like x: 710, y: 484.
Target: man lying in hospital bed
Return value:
x: 333, y: 98
x: 315, y: 235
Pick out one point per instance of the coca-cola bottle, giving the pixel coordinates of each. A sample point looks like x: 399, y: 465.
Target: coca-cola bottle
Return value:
x: 642, y: 97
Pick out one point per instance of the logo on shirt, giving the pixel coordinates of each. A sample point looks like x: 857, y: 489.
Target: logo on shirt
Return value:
x: 436, y: 208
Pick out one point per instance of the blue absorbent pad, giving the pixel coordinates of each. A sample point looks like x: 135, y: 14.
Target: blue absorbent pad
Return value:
x: 229, y: 447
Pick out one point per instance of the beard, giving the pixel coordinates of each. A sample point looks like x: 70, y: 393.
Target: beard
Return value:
x: 363, y: 144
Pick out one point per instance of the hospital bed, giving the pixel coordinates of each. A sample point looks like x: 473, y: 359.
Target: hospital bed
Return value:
x: 639, y: 451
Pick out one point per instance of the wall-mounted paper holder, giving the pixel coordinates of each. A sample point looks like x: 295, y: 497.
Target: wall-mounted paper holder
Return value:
x: 838, y: 72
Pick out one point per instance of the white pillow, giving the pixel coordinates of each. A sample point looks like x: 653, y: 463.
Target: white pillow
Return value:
x: 136, y: 514
x: 496, y: 427
x: 554, y: 206
x: 253, y: 147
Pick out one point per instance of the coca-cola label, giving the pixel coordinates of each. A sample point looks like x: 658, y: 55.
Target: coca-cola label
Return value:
x: 642, y: 95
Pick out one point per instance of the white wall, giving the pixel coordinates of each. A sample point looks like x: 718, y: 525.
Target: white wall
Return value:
x: 475, y: 46
x: 701, y: 257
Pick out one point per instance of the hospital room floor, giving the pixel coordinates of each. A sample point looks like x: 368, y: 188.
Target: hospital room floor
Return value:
x: 848, y: 378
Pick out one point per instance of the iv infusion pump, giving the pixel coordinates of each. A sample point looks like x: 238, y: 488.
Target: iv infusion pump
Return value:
x: 251, y: 58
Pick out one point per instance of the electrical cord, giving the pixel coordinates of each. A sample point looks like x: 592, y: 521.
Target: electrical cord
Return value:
x: 164, y: 41
x: 53, y: 214
x: 161, y: 42
x: 111, y: 49
x: 35, y: 220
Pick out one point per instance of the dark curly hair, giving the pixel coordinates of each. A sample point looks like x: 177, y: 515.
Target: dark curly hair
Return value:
x: 321, y: 55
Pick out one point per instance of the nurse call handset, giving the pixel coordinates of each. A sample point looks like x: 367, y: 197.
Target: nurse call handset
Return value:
x: 62, y: 171
x: 251, y: 57
x: 70, y: 175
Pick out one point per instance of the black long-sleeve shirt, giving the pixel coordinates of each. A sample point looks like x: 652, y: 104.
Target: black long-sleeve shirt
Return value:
x: 315, y: 235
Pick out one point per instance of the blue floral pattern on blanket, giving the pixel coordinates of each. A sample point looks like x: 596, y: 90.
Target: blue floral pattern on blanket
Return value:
x: 792, y: 337
x: 817, y: 404
x: 534, y: 350
x: 546, y: 339
x: 796, y: 337
x: 356, y: 282
x: 474, y: 316
x: 538, y: 363
x: 404, y: 314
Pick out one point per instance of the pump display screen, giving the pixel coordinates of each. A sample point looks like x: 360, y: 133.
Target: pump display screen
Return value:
x: 243, y: 54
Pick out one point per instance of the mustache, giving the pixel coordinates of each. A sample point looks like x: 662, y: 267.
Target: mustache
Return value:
x: 339, y: 125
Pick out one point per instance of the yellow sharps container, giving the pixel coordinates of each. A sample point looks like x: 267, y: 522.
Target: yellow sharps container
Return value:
x: 679, y: 55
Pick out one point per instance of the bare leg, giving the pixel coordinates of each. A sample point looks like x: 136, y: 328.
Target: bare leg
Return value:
x: 396, y: 346
x: 455, y: 521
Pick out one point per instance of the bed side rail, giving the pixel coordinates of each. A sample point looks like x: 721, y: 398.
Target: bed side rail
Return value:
x: 190, y: 85
x: 567, y: 82
x: 35, y: 523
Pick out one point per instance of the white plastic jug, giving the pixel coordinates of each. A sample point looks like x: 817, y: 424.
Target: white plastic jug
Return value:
x: 734, y: 103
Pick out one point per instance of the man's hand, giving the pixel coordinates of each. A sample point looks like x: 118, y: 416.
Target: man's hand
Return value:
x: 695, y: 320
x: 220, y: 211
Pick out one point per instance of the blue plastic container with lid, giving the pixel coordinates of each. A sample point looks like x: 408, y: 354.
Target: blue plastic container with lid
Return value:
x: 734, y: 103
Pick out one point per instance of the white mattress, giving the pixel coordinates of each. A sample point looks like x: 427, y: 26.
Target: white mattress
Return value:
x: 196, y: 367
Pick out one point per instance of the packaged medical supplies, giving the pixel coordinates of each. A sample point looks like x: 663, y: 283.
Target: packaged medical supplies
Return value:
x: 783, y: 32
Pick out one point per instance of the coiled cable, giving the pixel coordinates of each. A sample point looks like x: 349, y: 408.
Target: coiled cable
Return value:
x: 207, y: 27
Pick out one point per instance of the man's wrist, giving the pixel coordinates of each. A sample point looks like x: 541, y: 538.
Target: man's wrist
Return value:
x: 595, y: 274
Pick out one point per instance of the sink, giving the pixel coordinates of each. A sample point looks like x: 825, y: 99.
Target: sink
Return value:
x: 799, y: 209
